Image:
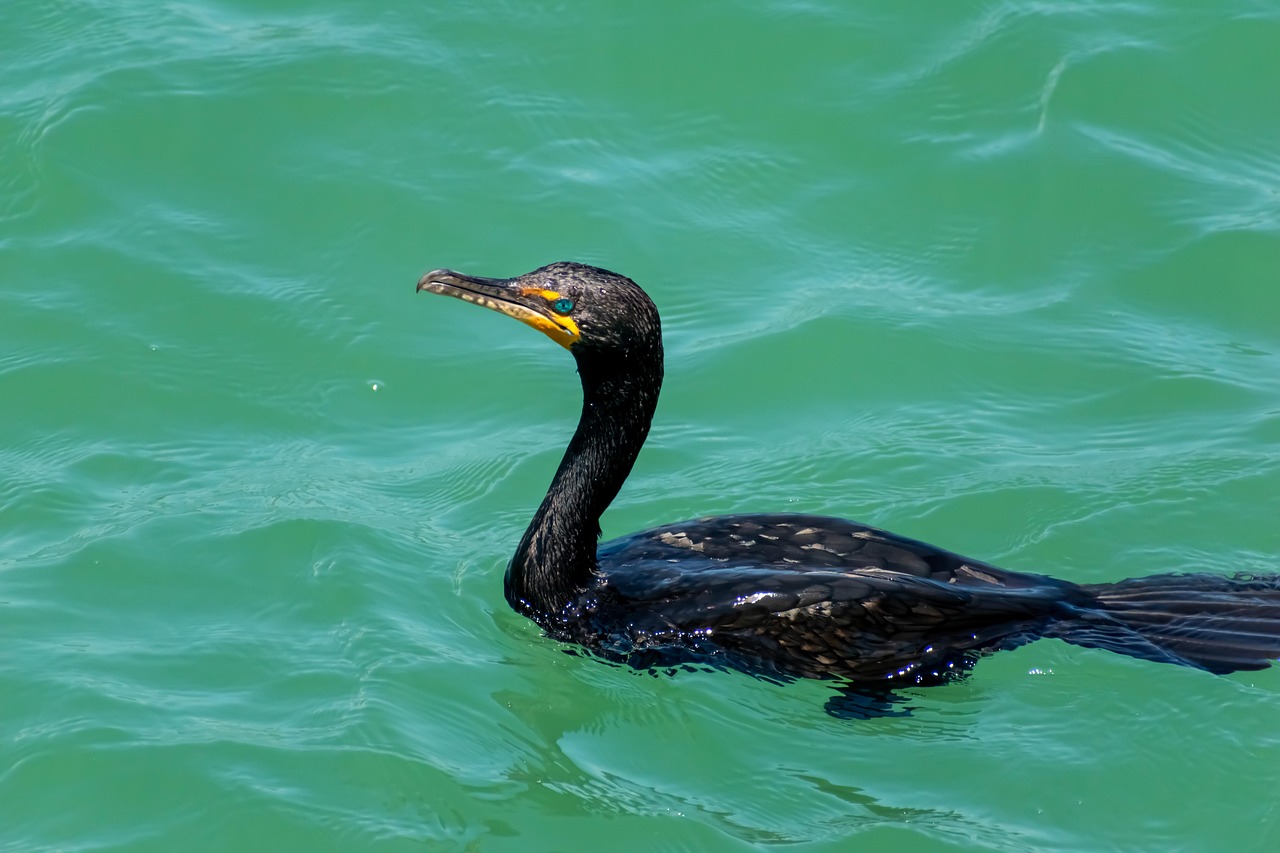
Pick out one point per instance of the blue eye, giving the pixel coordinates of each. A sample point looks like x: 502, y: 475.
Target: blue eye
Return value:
x: 562, y: 306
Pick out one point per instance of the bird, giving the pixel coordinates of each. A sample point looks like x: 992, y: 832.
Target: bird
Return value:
x: 788, y: 596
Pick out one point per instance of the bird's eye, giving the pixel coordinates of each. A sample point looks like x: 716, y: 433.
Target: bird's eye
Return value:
x: 562, y: 306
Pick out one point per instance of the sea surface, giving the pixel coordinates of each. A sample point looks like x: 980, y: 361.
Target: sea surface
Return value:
x: 1003, y: 276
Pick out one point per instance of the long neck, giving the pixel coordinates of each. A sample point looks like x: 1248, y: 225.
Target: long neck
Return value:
x: 557, y: 556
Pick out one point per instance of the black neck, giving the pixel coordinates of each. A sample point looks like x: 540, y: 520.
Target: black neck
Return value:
x: 557, y: 556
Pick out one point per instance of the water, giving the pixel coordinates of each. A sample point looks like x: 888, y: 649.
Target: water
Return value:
x: 1001, y: 276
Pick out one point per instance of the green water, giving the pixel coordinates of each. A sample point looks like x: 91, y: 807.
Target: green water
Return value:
x: 1002, y: 276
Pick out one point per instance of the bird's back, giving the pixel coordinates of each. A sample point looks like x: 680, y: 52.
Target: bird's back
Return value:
x: 809, y: 596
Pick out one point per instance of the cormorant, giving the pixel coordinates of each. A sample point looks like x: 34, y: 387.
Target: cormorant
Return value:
x: 785, y: 595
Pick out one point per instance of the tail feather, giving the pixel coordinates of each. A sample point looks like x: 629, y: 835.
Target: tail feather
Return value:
x: 1221, y: 624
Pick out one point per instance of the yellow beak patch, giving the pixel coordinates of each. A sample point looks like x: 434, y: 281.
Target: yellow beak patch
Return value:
x: 562, y: 330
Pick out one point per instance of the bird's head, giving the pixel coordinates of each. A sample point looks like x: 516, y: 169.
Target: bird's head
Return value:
x: 587, y: 310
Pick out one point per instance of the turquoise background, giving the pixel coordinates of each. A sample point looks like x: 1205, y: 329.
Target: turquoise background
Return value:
x: 1002, y: 276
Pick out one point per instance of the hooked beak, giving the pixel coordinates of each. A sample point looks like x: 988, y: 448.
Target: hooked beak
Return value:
x: 529, y: 305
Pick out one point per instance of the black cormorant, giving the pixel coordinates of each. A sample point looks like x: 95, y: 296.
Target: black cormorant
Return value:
x: 784, y: 595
